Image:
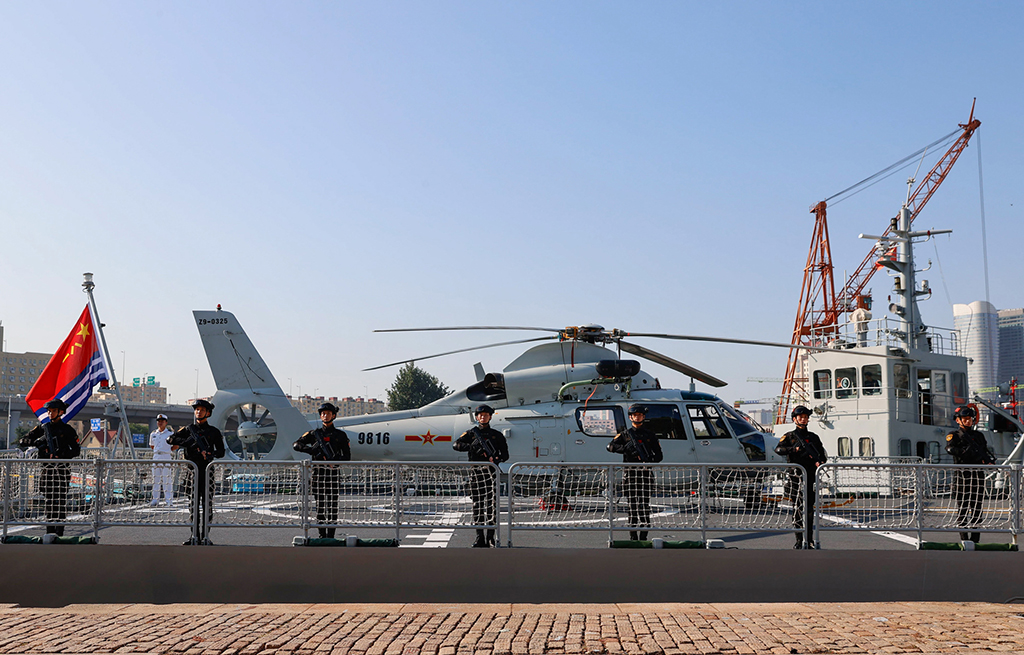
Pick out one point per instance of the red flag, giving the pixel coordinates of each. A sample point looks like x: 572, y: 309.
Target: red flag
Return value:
x: 72, y: 372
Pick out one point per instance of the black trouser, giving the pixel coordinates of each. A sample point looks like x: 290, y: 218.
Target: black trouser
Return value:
x: 324, y: 487
x: 53, y: 484
x: 969, y: 492
x: 803, y: 517
x: 637, y: 486
x: 481, y: 490
x: 199, y: 500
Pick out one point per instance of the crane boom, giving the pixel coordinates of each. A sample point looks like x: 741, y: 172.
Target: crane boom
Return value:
x: 820, y: 306
x: 918, y: 199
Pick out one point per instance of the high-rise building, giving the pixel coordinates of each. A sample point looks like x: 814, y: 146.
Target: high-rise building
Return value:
x: 1011, y: 345
x: 978, y: 324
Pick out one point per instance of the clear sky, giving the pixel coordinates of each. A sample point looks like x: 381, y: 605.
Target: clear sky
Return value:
x: 325, y: 169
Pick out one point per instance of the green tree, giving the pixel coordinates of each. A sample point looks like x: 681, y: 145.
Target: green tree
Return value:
x: 413, y: 388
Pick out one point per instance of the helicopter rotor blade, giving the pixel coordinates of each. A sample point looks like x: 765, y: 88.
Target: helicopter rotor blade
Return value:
x: 460, y: 350
x: 470, y: 327
x: 673, y: 364
x: 748, y: 342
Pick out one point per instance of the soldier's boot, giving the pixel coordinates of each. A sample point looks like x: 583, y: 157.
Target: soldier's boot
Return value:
x: 481, y: 540
x: 330, y: 532
x: 490, y: 538
x: 965, y: 536
x: 60, y: 530
x: 322, y: 532
x: 976, y: 537
x: 799, y: 543
x: 642, y: 536
x: 633, y: 535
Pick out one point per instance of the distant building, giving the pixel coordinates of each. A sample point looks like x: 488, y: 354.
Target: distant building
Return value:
x: 150, y: 393
x: 19, y: 371
x: 1011, y: 345
x: 978, y: 324
x: 346, y: 406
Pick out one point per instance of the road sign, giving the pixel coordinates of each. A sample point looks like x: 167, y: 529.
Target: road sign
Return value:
x: 96, y: 424
x: 151, y: 380
x: 138, y: 439
x: 136, y: 382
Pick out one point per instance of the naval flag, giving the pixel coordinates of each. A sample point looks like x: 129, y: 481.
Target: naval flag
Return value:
x: 72, y: 372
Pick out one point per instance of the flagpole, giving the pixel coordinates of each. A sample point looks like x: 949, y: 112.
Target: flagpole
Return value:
x: 89, y: 285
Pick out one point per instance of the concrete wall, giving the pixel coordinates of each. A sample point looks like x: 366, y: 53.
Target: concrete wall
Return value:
x: 53, y: 576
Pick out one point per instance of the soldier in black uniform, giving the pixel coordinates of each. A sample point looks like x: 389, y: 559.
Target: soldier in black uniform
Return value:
x: 637, y: 444
x: 325, y: 444
x: 55, y: 440
x: 203, y: 443
x: 968, y: 446
x: 802, y: 447
x: 484, y: 444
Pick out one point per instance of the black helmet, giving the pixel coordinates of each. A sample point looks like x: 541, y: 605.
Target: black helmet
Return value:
x: 637, y: 408
x: 484, y: 409
x: 800, y: 410
x: 57, y: 403
x: 965, y: 411
x: 202, y: 402
x: 328, y: 407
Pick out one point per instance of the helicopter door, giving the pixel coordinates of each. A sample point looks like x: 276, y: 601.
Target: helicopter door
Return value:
x: 666, y: 422
x: 712, y: 440
x: 592, y: 428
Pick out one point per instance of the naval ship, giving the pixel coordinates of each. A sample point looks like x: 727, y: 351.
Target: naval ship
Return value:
x: 900, y: 403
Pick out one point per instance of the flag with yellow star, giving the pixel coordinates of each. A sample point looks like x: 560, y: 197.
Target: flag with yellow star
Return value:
x: 72, y: 372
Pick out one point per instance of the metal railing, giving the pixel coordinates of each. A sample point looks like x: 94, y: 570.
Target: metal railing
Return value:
x: 94, y: 493
x: 331, y: 495
x: 644, y: 497
x: 919, y: 498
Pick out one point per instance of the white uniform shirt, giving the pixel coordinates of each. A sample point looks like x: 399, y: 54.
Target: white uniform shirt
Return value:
x: 158, y: 440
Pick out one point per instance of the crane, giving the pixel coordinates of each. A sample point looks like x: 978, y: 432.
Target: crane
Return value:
x: 819, y: 309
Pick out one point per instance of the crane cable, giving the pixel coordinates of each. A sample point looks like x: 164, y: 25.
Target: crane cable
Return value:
x: 984, y: 239
x: 890, y: 170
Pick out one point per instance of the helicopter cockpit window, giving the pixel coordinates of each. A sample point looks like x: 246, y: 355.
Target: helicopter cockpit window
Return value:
x: 707, y: 422
x: 600, y: 421
x: 740, y: 425
x: 492, y: 387
x: 665, y: 421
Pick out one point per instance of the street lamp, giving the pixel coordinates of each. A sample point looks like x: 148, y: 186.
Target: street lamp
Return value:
x: 10, y: 401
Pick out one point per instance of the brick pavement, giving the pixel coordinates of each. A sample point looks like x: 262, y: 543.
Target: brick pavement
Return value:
x: 514, y: 629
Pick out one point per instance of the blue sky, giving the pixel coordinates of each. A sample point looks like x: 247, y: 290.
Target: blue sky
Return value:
x: 325, y: 169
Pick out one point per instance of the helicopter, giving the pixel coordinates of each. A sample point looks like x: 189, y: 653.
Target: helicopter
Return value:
x: 559, y: 401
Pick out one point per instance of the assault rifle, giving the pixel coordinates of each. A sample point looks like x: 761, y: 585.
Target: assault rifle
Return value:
x: 196, y: 438
x: 643, y: 453
x: 974, y: 451
x: 51, y: 441
x: 325, y: 446
x: 486, y: 446
x: 809, y: 449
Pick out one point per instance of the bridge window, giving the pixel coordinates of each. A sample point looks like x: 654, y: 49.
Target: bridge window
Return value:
x: 901, y: 380
x: 665, y: 421
x: 872, y: 376
x: 867, y: 447
x: 823, y: 384
x: 933, y: 451
x: 904, y: 447
x: 600, y: 421
x: 707, y: 422
x: 846, y: 382
x: 845, y: 447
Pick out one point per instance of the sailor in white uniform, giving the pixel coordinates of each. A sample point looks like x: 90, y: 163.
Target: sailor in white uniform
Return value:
x: 163, y: 477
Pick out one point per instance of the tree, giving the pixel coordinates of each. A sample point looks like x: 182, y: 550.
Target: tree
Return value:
x: 413, y: 388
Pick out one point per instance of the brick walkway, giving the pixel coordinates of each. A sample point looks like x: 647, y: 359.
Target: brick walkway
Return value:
x: 514, y: 629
